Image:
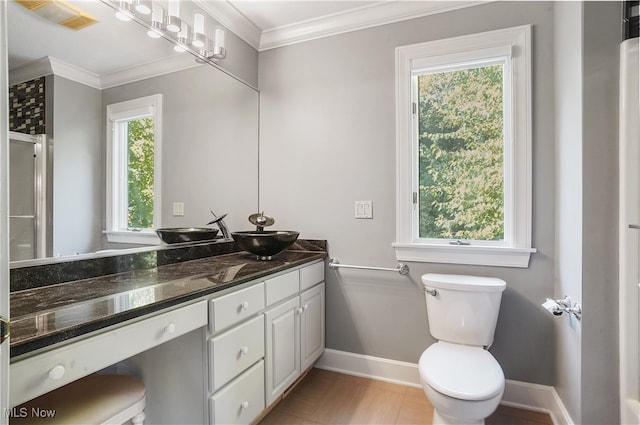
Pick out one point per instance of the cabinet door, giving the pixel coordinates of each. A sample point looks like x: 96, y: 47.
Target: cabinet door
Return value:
x: 282, y: 354
x: 311, y: 325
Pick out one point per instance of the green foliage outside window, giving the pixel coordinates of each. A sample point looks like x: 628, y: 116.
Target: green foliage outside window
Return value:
x: 140, y: 137
x: 461, y: 179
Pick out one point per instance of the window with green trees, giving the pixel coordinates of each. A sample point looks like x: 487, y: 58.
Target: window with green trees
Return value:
x: 460, y: 153
x: 133, y: 172
x: 140, y: 173
x: 463, y: 149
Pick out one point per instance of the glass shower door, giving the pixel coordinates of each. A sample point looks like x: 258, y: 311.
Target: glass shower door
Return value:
x: 25, y: 192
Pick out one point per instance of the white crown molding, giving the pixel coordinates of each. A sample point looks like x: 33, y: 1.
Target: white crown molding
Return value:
x: 74, y: 73
x: 231, y: 18
x: 147, y: 70
x: 356, y: 19
x: 49, y: 65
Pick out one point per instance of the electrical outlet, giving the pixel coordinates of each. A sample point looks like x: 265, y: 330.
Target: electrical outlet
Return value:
x: 364, y: 209
x: 178, y: 209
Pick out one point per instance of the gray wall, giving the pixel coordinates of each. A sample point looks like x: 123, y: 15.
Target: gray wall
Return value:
x: 327, y: 131
x: 209, y: 147
x: 76, y: 137
x: 568, y: 89
x: 601, y: 38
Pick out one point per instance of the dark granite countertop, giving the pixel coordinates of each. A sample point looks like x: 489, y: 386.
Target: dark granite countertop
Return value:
x: 48, y: 315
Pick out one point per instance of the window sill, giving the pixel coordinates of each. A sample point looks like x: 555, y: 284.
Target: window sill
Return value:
x: 467, y: 254
x: 141, y: 238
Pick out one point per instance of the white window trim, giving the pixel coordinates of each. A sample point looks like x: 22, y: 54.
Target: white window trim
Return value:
x: 517, y: 251
x: 141, y: 106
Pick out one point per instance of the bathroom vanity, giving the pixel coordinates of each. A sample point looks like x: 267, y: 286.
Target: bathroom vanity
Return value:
x: 215, y: 340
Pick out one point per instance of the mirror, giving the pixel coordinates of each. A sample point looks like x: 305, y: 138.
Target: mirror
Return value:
x: 209, y: 154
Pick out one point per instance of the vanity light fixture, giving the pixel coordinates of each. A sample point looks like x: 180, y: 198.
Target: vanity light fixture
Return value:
x: 183, y: 38
x: 167, y: 23
x: 124, y: 10
x: 219, y: 50
x: 157, y: 22
x: 174, y: 23
x: 60, y: 12
x: 199, y: 39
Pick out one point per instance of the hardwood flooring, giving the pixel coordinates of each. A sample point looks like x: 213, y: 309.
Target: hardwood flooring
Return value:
x: 329, y: 398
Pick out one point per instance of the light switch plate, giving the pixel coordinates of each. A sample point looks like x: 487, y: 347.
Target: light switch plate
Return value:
x: 178, y: 209
x: 364, y: 209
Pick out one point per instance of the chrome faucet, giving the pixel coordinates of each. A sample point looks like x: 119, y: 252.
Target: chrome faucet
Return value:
x: 219, y: 221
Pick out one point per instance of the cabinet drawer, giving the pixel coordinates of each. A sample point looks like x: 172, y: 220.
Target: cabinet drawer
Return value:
x: 234, y: 351
x: 237, y: 306
x: 281, y: 287
x: 242, y: 400
x: 36, y: 375
x: 311, y: 275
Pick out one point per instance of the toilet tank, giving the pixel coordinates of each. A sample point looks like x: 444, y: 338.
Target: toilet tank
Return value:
x: 464, y: 309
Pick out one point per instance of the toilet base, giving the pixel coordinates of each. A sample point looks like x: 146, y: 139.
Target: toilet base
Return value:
x: 452, y: 411
x: 439, y: 420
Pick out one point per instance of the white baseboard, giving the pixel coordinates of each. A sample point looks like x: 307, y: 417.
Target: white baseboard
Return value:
x: 535, y: 397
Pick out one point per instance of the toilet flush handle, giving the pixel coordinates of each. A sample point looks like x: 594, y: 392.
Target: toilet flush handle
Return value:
x: 430, y: 291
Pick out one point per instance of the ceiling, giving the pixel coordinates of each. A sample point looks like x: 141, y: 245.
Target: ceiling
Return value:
x: 263, y: 24
x: 267, y: 24
x: 269, y: 15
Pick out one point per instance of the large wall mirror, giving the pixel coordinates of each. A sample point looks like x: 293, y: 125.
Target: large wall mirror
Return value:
x: 65, y: 79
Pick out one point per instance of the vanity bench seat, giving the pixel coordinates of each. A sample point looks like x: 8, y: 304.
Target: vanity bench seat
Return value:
x: 63, y: 332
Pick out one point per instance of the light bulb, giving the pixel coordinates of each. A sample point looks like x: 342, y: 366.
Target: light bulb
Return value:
x: 219, y: 51
x: 123, y: 16
x: 198, y: 23
x: 199, y: 39
x: 154, y: 33
x: 157, y: 22
x: 143, y: 7
x: 173, y: 20
x: 124, y: 10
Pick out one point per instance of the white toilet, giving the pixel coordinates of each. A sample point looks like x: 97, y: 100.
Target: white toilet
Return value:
x: 463, y: 381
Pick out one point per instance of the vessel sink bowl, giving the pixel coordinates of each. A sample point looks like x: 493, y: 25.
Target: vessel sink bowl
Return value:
x: 186, y: 234
x: 264, y: 244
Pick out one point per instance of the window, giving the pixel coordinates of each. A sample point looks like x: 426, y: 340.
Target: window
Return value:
x: 464, y: 150
x: 133, y: 170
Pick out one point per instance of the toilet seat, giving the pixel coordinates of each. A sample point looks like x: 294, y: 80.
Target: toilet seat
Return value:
x: 461, y: 371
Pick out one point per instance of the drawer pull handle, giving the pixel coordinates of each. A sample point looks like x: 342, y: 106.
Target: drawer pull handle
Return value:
x: 300, y: 310
x: 245, y: 404
x: 305, y: 307
x: 56, y: 373
x: 244, y: 305
x: 170, y: 328
x: 244, y: 350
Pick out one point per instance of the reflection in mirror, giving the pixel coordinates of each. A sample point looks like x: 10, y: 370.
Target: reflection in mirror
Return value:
x: 61, y: 82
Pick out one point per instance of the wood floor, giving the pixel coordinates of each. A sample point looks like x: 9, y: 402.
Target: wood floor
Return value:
x: 325, y: 397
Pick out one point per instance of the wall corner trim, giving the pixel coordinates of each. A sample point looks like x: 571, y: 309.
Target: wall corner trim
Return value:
x: 536, y: 397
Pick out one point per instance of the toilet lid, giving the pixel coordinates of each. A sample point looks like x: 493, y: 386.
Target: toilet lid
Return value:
x: 461, y: 371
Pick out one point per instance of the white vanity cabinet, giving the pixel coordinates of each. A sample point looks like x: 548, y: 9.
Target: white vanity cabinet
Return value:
x: 294, y: 327
x: 260, y: 339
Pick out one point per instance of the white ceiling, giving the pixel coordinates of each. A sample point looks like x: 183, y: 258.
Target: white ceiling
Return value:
x: 267, y: 24
x: 268, y: 15
x: 111, y: 46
